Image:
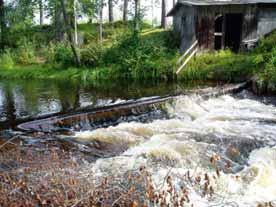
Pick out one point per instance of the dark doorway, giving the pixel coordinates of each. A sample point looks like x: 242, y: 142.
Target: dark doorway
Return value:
x: 218, y: 32
x: 233, y: 29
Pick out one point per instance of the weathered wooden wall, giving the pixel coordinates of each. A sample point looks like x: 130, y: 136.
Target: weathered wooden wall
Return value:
x: 184, y: 25
x: 198, y: 23
x: 266, y: 20
x: 205, y: 30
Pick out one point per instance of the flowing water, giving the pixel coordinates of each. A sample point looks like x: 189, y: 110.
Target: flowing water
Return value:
x: 239, y: 130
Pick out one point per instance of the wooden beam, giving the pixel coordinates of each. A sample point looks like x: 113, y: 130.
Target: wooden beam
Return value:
x: 186, y: 61
x: 187, y: 52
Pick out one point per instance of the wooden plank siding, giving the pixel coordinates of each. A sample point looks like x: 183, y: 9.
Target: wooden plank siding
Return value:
x: 205, y: 30
x: 194, y: 22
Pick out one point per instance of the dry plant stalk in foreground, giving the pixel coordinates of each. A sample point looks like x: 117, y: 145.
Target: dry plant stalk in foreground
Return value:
x: 29, y: 178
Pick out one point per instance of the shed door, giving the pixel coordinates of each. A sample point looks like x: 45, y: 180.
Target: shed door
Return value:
x: 218, y: 32
x: 233, y: 30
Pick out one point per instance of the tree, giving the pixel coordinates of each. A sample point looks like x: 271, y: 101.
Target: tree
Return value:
x: 69, y: 34
x: 75, y: 22
x: 2, y: 24
x: 89, y: 8
x: 163, y: 14
x: 41, y: 12
x: 137, y: 15
x: 125, y: 11
x: 110, y: 11
x: 100, y: 16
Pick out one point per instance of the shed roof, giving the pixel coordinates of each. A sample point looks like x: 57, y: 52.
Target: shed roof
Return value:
x: 217, y: 2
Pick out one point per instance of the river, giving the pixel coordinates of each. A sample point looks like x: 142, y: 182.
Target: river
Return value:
x: 226, y: 141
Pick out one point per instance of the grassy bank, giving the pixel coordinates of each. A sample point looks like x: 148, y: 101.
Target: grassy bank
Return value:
x: 150, y: 55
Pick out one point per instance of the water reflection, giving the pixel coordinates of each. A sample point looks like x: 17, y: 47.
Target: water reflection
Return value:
x: 25, y: 98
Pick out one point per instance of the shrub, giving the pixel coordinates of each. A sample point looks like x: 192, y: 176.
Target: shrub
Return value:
x: 143, y: 56
x: 63, y: 55
x: 6, y: 60
x: 172, y: 39
x: 91, y: 55
x: 267, y: 44
x: 270, y: 68
x: 25, y: 54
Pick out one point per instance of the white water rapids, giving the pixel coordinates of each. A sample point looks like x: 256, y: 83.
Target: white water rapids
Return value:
x: 241, y: 130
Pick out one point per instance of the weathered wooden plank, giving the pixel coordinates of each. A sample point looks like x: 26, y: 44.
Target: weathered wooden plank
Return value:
x: 186, y: 61
x: 187, y: 52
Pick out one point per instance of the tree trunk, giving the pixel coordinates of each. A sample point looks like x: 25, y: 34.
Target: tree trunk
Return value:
x: 152, y: 13
x: 75, y: 23
x: 125, y: 11
x: 69, y: 34
x: 110, y: 11
x: 163, y: 14
x: 2, y: 25
x: 101, y: 21
x: 41, y: 12
x: 173, y: 3
x: 58, y: 22
x: 137, y: 16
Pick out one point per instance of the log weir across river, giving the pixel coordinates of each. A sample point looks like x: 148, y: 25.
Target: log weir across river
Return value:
x: 132, y: 110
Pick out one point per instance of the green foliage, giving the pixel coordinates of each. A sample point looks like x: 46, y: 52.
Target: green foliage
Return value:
x: 259, y: 59
x: 143, y: 57
x: 62, y: 54
x: 269, y: 73
x: 267, y: 43
x: 6, y: 60
x: 91, y: 55
x: 220, y: 66
x: 25, y: 54
x: 172, y: 39
x: 151, y: 54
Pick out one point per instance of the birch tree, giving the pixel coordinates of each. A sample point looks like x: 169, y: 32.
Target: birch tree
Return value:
x: 137, y: 15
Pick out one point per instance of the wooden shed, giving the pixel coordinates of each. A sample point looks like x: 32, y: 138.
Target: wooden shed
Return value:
x: 219, y: 24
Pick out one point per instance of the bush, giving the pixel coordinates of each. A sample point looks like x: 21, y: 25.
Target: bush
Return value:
x: 91, y: 55
x: 270, y: 68
x: 6, y: 60
x: 62, y: 54
x: 267, y: 44
x: 143, y: 57
x: 25, y: 54
x: 172, y: 39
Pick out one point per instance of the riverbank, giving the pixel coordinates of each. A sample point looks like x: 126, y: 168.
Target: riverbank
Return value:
x: 151, y: 55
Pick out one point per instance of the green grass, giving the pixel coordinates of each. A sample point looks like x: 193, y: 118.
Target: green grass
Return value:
x: 151, y: 55
x: 220, y: 66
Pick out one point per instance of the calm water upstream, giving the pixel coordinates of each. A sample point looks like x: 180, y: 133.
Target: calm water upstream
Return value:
x: 20, y: 99
x: 240, y: 128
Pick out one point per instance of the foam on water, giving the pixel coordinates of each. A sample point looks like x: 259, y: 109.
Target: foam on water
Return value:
x: 174, y: 144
